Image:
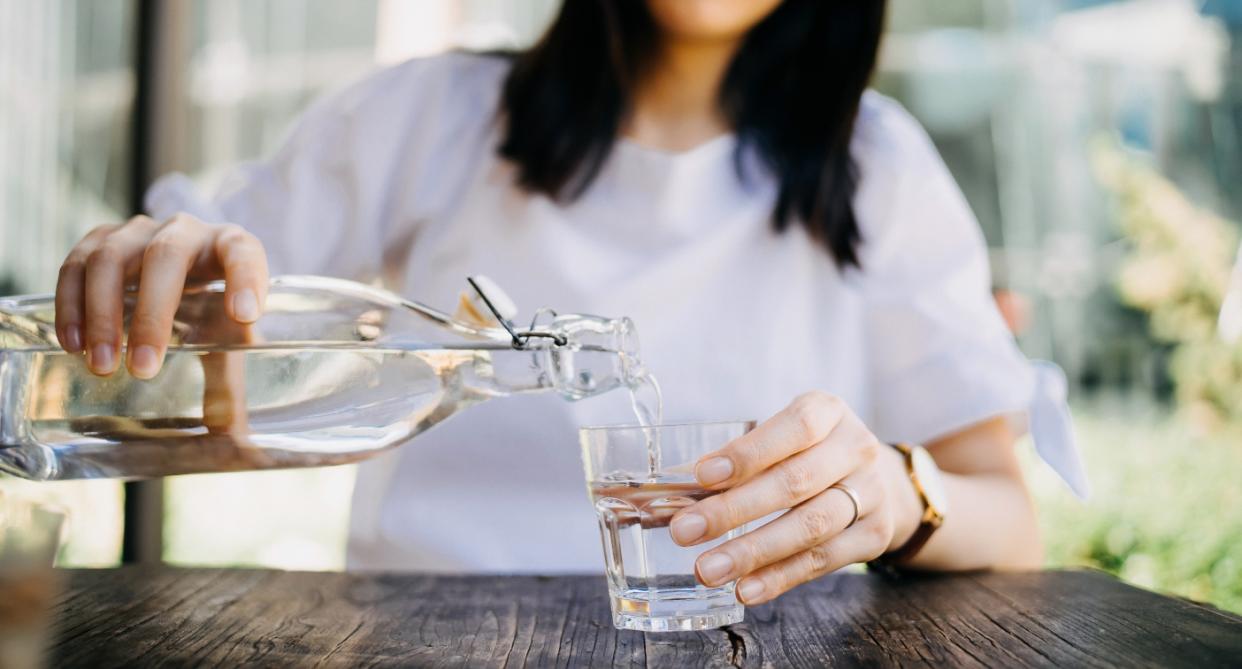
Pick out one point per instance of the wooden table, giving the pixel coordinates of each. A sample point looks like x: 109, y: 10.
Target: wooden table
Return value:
x: 134, y: 617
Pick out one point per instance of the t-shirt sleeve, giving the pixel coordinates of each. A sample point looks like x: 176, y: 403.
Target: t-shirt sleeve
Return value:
x: 939, y: 354
x: 353, y: 179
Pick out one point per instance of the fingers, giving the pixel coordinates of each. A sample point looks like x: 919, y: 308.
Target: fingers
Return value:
x: 807, y: 525
x: 116, y: 256
x: 90, y: 289
x: 860, y: 543
x: 244, y: 261
x: 166, y: 260
x: 70, y: 310
x: 782, y: 486
x: 805, y: 422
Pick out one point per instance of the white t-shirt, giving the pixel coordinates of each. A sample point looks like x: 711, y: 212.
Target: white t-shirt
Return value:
x: 397, y: 177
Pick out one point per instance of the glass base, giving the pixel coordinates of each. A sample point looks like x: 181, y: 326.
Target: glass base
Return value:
x: 639, y: 610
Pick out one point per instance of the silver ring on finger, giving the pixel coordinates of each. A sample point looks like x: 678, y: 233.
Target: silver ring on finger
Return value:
x: 854, y: 499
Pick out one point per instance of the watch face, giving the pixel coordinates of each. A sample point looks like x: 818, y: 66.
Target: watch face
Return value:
x: 930, y: 478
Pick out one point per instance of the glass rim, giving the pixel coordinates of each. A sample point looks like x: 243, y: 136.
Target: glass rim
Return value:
x: 618, y: 427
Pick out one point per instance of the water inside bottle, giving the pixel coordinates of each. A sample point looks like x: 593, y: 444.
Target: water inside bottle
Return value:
x: 262, y: 407
x: 259, y: 408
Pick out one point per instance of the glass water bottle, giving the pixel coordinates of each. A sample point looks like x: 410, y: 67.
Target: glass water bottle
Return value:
x: 334, y: 372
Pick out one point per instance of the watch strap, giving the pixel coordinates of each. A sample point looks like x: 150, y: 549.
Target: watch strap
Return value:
x: 911, y: 548
x: 928, y: 525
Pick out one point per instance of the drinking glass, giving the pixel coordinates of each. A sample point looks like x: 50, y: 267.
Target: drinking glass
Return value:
x: 636, y: 490
x: 30, y: 535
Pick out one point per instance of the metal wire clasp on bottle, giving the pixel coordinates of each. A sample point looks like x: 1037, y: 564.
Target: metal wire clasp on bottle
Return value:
x: 520, y: 337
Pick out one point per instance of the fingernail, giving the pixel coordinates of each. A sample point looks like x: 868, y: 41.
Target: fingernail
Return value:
x: 99, y: 359
x: 749, y: 590
x: 246, y: 306
x: 687, y: 528
x: 715, y: 567
x: 73, y: 338
x: 144, y: 361
x: 714, y: 470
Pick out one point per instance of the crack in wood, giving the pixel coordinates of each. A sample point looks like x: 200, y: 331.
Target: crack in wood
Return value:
x: 341, y: 644
x: 737, y: 646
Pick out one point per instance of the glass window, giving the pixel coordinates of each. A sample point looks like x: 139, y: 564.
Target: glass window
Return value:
x: 66, y: 95
x: 66, y: 91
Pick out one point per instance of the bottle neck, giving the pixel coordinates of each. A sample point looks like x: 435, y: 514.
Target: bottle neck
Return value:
x: 598, y: 355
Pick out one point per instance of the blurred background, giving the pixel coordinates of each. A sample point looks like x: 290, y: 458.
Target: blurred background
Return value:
x: 1099, y: 143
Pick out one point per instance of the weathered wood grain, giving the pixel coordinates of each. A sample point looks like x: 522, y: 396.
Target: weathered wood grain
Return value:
x: 132, y: 617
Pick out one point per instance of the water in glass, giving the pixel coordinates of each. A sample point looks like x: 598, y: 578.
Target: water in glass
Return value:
x: 651, y: 579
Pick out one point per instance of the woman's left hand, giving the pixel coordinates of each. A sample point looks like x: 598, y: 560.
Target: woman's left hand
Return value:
x: 791, y: 461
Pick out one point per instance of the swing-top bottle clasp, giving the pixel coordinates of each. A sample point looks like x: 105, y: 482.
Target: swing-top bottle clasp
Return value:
x: 582, y: 354
x: 503, y: 309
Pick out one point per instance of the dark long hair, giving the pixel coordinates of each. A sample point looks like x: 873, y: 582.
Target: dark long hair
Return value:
x: 791, y: 93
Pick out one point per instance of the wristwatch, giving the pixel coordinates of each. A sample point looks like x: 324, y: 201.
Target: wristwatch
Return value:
x: 929, y: 484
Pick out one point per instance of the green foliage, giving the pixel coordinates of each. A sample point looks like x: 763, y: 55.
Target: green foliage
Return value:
x: 1166, y: 508
x: 1177, y: 270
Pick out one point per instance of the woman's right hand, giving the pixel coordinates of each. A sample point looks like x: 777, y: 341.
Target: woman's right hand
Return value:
x: 158, y: 258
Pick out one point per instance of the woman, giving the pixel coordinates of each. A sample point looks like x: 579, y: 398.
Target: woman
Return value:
x: 714, y: 169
